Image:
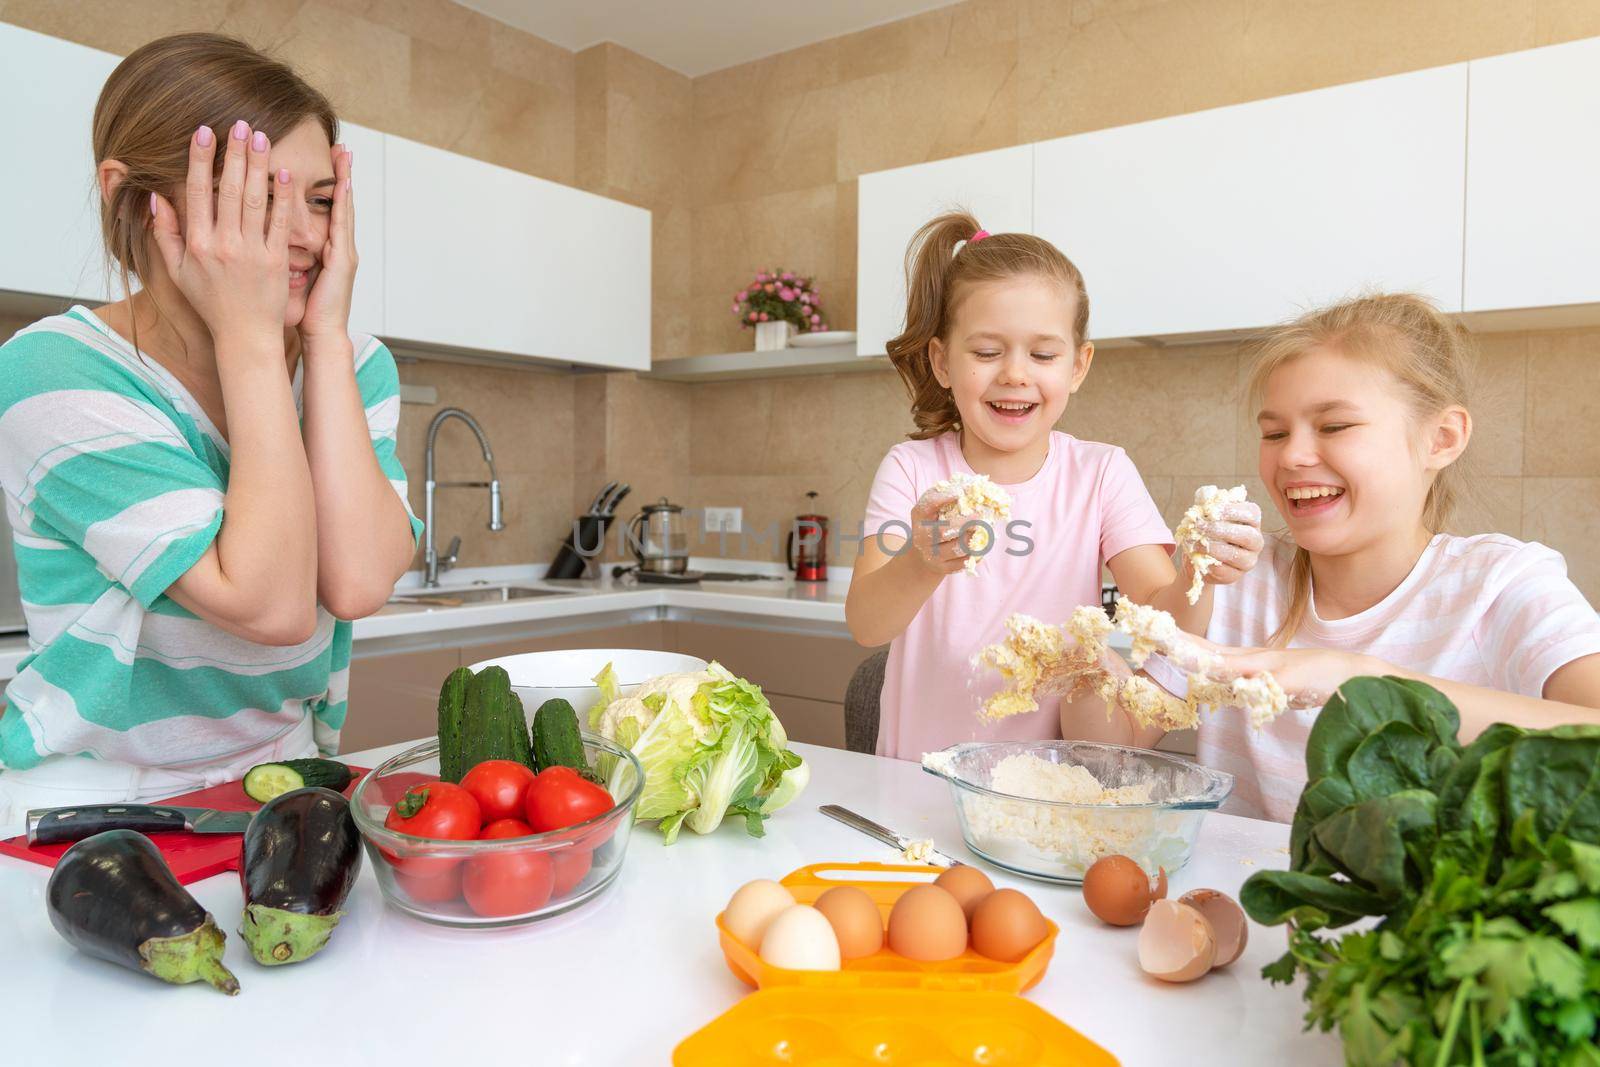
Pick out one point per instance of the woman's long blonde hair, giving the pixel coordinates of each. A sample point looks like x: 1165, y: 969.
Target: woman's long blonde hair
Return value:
x: 1431, y: 360
x: 941, y: 258
x: 153, y: 102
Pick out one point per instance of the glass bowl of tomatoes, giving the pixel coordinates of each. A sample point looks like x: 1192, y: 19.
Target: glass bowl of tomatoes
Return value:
x: 505, y: 846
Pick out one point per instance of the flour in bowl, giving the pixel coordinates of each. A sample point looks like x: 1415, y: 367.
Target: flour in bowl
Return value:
x: 1066, y: 841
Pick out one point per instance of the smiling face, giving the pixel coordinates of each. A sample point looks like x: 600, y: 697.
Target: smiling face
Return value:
x: 305, y: 152
x: 1010, y: 361
x: 1343, y: 454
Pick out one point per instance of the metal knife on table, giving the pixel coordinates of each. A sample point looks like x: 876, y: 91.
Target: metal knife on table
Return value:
x: 50, y: 826
x: 884, y: 834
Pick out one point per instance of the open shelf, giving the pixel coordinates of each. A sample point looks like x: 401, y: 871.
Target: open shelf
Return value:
x: 783, y: 363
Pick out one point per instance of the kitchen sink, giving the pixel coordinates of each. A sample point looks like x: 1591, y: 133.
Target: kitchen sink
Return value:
x: 455, y: 598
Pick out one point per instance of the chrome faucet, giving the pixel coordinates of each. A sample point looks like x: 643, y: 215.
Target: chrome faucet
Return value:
x: 433, y: 562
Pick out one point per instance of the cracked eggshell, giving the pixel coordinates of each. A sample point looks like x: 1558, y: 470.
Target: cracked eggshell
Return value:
x: 1176, y: 943
x: 1227, y: 921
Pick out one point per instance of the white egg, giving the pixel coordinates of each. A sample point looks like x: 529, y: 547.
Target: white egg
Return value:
x: 753, y: 908
x: 801, y: 939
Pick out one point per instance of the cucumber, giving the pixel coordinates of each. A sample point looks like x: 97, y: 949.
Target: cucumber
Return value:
x: 556, y: 742
x: 494, y: 724
x: 265, y: 781
x: 452, y: 724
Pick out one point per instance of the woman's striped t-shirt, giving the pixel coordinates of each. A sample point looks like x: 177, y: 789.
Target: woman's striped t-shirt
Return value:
x: 114, y: 481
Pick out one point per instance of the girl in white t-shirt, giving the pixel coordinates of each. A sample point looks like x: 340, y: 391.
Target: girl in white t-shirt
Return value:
x: 1363, y: 417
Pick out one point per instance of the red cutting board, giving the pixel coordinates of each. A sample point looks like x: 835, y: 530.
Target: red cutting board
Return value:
x: 191, y: 856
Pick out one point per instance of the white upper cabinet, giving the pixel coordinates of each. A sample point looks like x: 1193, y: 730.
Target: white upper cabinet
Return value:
x: 1244, y: 216
x: 995, y: 186
x: 366, y: 179
x: 1533, y: 179
x: 482, y: 257
x: 49, y: 206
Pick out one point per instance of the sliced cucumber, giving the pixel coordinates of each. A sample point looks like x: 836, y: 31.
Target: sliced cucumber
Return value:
x: 265, y: 781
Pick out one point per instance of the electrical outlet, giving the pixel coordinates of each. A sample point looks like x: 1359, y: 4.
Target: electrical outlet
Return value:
x: 724, y: 520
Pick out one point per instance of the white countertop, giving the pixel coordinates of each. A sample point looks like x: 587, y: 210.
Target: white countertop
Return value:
x: 782, y: 598
x: 622, y: 980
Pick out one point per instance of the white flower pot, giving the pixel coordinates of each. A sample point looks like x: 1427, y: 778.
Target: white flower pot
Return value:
x: 771, y: 336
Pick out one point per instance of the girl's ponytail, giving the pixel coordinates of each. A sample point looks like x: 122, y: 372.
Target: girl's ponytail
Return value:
x: 929, y: 259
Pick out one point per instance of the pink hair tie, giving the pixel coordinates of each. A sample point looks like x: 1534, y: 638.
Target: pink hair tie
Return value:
x: 975, y: 238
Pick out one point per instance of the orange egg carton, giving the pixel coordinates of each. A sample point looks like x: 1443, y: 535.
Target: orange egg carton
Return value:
x: 884, y: 969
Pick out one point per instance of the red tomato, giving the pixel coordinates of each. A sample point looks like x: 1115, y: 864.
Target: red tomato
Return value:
x: 435, y: 889
x: 511, y: 883
x: 497, y: 785
x: 570, y: 865
x: 439, y: 810
x: 559, y: 796
x: 505, y: 828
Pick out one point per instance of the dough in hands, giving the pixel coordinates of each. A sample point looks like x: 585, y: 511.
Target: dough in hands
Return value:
x: 1209, y: 507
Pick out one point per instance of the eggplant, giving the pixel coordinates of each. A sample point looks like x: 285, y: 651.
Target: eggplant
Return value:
x: 114, y: 897
x: 302, y: 854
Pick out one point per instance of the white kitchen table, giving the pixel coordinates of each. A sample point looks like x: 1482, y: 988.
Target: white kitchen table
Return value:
x: 620, y: 981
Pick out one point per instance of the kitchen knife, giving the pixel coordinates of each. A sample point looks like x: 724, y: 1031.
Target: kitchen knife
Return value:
x: 597, y: 507
x: 609, y: 510
x: 49, y: 826
x: 883, y: 833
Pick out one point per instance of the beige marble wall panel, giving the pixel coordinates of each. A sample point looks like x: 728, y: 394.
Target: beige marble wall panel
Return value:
x: 1290, y: 41
x: 799, y: 70
x: 1498, y: 403
x: 1173, y: 410
x: 925, y: 112
x: 732, y: 240
x: 529, y: 420
x: 1563, y: 437
x: 1129, y: 65
x: 1564, y: 514
x: 1565, y: 20
x: 786, y: 143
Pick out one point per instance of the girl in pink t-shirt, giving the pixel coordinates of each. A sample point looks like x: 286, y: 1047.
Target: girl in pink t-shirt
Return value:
x: 995, y: 343
x: 1363, y: 428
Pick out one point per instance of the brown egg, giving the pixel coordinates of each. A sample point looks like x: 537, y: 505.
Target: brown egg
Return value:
x: 1119, y: 892
x: 1226, y: 919
x: 967, y: 884
x: 855, y: 919
x: 927, y: 923
x: 1006, y: 926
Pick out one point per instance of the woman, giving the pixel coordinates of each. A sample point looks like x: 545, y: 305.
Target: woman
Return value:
x: 201, y: 478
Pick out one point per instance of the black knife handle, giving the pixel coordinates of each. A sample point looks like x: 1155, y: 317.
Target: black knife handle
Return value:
x: 55, y: 825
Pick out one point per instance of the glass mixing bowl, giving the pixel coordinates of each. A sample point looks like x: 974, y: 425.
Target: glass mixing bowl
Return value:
x: 1057, y: 840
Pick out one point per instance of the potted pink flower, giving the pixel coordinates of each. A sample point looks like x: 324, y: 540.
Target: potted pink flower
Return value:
x: 778, y: 304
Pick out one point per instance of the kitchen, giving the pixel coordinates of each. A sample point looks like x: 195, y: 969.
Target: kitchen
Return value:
x: 686, y: 172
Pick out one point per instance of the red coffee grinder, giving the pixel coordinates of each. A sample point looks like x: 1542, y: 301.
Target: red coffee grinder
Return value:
x: 807, y: 550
